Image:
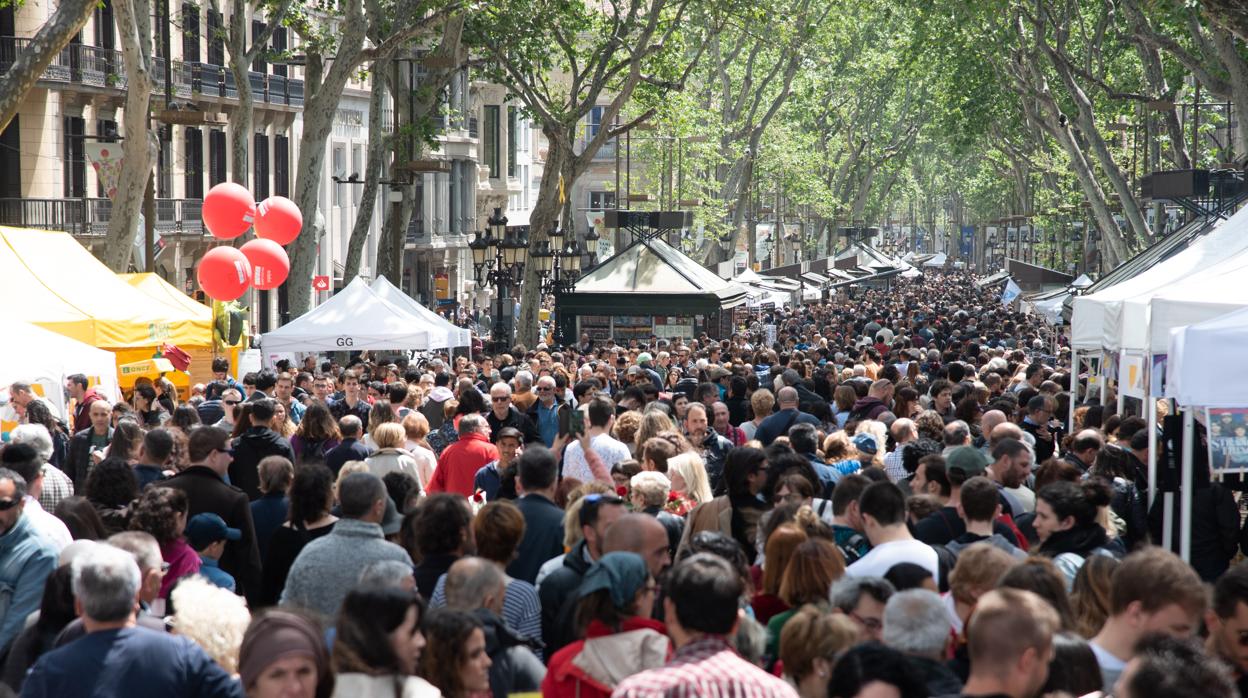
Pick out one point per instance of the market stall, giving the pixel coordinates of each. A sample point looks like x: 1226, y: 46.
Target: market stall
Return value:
x: 650, y: 288
x: 354, y: 319
x: 43, y: 358
x: 442, y: 334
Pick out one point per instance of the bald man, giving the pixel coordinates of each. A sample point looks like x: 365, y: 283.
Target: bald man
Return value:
x: 93, y: 439
x: 641, y: 534
x: 787, y: 414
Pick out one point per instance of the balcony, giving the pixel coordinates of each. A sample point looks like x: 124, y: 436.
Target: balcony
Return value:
x: 90, y: 217
x: 104, y: 69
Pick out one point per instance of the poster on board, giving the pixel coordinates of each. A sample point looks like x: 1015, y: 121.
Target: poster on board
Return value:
x: 1228, y: 439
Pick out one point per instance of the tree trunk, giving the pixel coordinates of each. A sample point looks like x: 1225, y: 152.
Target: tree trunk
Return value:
x: 1237, y: 75
x: 544, y: 217
x: 139, y: 148
x: 241, y: 119
x: 378, y: 140
x: 67, y: 20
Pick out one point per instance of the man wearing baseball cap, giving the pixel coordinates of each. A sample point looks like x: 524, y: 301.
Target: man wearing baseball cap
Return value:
x: 645, y: 361
x: 207, y: 534
x: 943, y: 526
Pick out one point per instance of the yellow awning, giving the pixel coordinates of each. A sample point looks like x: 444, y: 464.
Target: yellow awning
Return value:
x: 157, y: 288
x: 49, y: 279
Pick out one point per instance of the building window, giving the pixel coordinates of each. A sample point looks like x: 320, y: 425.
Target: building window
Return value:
x: 75, y: 184
x: 279, y: 45
x: 105, y: 29
x: 190, y: 32
x: 216, y: 40
x: 595, y: 122
x: 490, y: 140
x: 340, y: 170
x: 601, y: 200
x: 261, y: 156
x: 281, y: 165
x: 257, y: 28
x: 216, y: 157
x: 513, y: 135
x: 11, y: 161
x: 452, y: 197
x: 194, y: 159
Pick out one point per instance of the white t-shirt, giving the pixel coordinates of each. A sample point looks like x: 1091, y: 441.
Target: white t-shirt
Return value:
x: 882, y: 558
x: 1111, y: 666
x: 608, y: 449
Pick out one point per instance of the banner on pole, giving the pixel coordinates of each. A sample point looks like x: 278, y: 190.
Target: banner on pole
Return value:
x: 106, y: 160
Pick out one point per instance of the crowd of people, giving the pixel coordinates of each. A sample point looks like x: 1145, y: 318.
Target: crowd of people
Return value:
x: 884, y: 501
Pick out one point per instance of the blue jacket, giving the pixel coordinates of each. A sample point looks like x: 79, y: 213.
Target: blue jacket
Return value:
x: 26, y: 560
x: 130, y: 662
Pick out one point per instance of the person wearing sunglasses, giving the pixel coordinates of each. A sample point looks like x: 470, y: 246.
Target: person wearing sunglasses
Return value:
x: 27, y: 557
x: 207, y: 490
x: 1227, y: 623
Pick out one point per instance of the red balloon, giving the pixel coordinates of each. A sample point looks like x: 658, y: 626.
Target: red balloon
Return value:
x: 224, y: 273
x: 228, y: 210
x: 278, y: 219
x: 269, y: 264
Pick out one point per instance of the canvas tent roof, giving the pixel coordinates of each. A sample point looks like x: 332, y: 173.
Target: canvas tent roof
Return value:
x: 1083, y: 281
x: 992, y: 279
x: 1097, y: 318
x: 53, y: 281
x: 158, y: 288
x: 355, y: 318
x: 1199, y: 368
x: 34, y: 355
x: 1159, y: 251
x: 937, y: 260
x: 442, y: 334
x: 651, y: 271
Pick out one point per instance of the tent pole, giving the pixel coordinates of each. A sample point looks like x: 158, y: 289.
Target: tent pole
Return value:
x: 1167, y: 520
x: 1074, y: 386
x: 1122, y: 395
x: 1152, y: 449
x: 1104, y: 378
x: 1185, y: 514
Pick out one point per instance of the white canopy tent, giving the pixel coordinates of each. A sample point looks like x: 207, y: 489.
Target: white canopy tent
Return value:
x: 938, y: 261
x: 1203, y: 366
x: 1097, y: 318
x: 1212, y: 294
x: 43, y: 358
x: 442, y: 334
x: 1083, y: 281
x: 355, y: 318
x: 1202, y: 371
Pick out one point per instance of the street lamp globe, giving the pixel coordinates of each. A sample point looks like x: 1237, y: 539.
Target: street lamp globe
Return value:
x: 572, y: 258
x: 498, y: 224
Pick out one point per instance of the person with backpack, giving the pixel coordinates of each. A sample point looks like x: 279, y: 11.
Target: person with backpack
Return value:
x: 979, y: 506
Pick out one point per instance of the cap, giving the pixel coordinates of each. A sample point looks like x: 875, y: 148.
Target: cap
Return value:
x: 207, y: 528
x: 971, y: 461
x: 391, y: 522
x: 644, y: 357
x: 865, y: 443
x: 717, y: 372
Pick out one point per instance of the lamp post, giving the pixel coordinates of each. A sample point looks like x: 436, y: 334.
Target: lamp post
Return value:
x: 498, y: 258
x: 559, y: 266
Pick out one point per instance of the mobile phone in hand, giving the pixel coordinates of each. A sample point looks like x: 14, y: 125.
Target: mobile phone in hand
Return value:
x: 577, y: 423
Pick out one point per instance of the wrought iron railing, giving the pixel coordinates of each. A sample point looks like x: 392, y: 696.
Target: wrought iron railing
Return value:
x: 90, y: 216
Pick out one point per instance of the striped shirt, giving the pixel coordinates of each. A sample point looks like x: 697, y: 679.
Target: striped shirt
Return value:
x: 706, y: 667
x: 522, y: 611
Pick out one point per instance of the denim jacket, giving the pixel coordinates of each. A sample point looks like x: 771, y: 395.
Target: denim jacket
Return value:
x: 26, y: 560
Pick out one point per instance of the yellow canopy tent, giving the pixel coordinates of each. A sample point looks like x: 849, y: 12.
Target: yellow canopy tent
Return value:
x: 50, y: 280
x: 201, y: 354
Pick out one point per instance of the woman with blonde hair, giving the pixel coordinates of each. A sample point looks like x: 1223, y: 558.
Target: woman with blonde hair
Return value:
x: 212, y: 617
x: 282, y: 423
x: 688, y: 475
x: 390, y: 456
x: 416, y: 425
x: 652, y: 422
x: 762, y: 404
x: 809, y: 644
x: 626, y: 427
x: 879, y: 432
x: 379, y: 414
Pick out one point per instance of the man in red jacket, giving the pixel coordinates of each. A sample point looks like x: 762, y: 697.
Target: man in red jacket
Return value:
x: 460, y: 462
x: 83, y: 396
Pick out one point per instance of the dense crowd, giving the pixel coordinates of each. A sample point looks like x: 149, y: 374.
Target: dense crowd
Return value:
x: 884, y: 501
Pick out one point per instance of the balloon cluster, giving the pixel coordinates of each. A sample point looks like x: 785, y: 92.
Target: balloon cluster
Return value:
x: 229, y: 210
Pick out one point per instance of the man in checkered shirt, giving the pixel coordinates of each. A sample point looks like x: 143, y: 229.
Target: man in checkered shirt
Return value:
x: 700, y: 605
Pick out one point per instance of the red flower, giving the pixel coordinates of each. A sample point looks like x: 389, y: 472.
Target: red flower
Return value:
x: 621, y: 490
x: 478, y: 496
x: 673, y: 496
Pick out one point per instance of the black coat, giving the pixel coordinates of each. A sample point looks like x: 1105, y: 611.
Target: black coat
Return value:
x: 558, y: 597
x: 1215, y: 528
x: 515, y: 667
x: 543, y: 536
x: 256, y: 444
x: 206, y: 491
x: 517, y: 420
x: 78, y: 461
